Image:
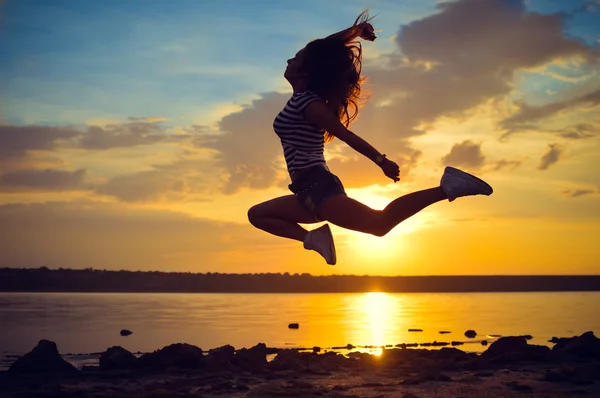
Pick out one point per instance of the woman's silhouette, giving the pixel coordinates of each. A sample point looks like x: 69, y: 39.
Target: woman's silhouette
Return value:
x: 326, y: 79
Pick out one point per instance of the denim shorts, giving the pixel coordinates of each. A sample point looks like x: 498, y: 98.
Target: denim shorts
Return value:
x: 316, y: 185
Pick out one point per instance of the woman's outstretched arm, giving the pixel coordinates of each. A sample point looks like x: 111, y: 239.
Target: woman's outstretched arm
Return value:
x: 321, y: 116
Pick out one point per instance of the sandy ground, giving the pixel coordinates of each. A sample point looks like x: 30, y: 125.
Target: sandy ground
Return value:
x: 521, y: 381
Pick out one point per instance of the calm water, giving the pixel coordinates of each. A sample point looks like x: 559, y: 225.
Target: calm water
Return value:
x: 90, y: 322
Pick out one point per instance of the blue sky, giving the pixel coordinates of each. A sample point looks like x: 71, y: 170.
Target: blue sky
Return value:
x: 137, y: 58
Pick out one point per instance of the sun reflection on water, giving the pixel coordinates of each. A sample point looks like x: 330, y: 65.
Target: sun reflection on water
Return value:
x: 378, y: 307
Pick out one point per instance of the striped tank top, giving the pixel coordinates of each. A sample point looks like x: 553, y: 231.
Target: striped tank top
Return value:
x: 302, y: 142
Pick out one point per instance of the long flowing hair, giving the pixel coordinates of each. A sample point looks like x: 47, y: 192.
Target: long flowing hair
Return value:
x: 333, y: 66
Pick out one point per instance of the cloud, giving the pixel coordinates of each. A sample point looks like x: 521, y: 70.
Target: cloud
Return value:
x: 183, y: 180
x: 16, y: 141
x: 461, y: 57
x: 512, y: 164
x: 145, y: 186
x: 550, y: 157
x: 465, y: 153
x: 42, y: 180
x: 577, y: 192
x: 151, y: 119
x: 579, y: 131
x: 248, y: 148
x: 527, y: 39
x: 523, y: 118
x: 122, y: 135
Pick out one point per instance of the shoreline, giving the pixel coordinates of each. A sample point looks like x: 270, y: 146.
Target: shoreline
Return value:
x: 86, y: 358
x: 93, y: 280
x: 509, y: 367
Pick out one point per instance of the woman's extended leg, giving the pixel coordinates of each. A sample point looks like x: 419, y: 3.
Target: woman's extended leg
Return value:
x: 350, y: 214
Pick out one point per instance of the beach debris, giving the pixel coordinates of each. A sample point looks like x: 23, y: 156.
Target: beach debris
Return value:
x: 455, y: 343
x: 126, y: 332
x: 44, y: 358
x: 293, y: 326
x: 415, y: 330
x: 179, y: 355
x: 471, y: 334
x: 444, y: 332
x: 117, y: 358
x: 484, y: 342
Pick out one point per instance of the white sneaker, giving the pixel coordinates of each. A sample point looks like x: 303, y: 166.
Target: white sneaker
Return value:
x: 321, y: 241
x: 456, y: 183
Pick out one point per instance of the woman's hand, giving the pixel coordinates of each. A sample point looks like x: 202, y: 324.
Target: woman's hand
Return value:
x: 390, y: 169
x: 368, y: 33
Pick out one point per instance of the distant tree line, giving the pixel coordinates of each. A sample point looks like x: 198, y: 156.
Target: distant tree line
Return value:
x: 92, y: 280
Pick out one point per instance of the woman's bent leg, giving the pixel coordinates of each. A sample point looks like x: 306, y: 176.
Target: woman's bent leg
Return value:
x: 281, y: 216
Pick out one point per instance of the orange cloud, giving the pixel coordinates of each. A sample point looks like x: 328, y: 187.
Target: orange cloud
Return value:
x: 466, y: 153
x: 551, y: 157
x: 42, y: 180
x: 248, y: 148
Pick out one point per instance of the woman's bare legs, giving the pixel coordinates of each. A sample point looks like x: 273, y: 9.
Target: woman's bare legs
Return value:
x: 351, y: 214
x: 281, y: 216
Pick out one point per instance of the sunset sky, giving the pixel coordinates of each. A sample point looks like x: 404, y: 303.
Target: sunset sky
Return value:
x: 136, y: 134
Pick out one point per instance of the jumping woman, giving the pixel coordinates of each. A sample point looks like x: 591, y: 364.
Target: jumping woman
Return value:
x: 326, y: 80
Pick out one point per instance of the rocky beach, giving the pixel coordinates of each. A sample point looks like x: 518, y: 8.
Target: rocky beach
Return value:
x: 509, y: 367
